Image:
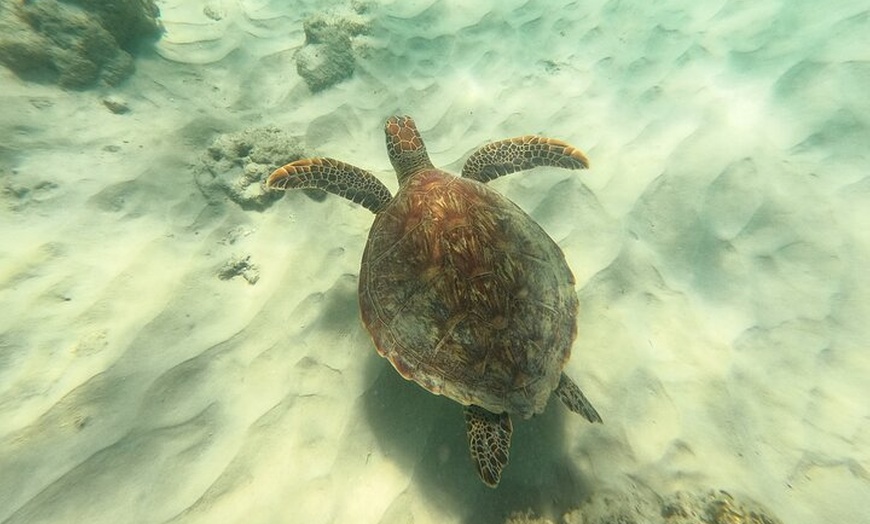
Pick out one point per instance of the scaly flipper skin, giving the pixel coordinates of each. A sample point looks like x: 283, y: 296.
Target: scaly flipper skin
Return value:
x: 489, y: 439
x: 333, y: 176
x: 576, y: 400
x: 517, y: 154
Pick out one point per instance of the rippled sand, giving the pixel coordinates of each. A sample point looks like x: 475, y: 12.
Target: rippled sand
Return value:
x: 720, y: 242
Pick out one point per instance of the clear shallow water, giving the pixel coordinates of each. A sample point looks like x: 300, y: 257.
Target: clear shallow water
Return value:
x: 718, y: 241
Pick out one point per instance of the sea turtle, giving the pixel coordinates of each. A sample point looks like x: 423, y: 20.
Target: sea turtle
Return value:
x: 459, y: 288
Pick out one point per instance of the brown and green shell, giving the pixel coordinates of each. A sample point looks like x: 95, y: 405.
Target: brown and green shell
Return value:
x: 466, y: 295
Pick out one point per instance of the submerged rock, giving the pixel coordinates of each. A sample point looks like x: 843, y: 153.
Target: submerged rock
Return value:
x: 239, y: 266
x: 75, y: 43
x: 645, y: 507
x: 236, y: 165
x: 328, y: 55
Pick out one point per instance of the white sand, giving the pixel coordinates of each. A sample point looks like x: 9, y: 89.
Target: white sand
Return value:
x: 721, y: 245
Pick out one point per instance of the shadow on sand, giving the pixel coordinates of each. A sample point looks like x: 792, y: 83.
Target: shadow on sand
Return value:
x: 425, y: 435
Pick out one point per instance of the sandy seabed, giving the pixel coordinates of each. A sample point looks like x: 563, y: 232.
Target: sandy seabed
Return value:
x: 720, y: 242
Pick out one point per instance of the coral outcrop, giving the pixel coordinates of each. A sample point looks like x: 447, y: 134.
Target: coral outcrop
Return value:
x: 75, y: 43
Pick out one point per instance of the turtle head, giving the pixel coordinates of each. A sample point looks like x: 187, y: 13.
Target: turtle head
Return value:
x: 405, y: 147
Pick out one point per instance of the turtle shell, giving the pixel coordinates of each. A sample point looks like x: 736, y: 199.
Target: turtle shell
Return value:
x: 467, y: 296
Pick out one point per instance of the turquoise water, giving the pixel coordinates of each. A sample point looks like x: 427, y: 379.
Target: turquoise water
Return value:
x: 178, y: 345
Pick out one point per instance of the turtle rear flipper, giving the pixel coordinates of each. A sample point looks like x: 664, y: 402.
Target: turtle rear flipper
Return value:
x: 518, y: 154
x: 576, y: 401
x: 333, y: 176
x: 489, y: 439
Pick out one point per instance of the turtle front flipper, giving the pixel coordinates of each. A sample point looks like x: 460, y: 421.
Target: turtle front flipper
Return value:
x: 576, y: 401
x: 517, y: 154
x: 333, y: 176
x: 489, y: 438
